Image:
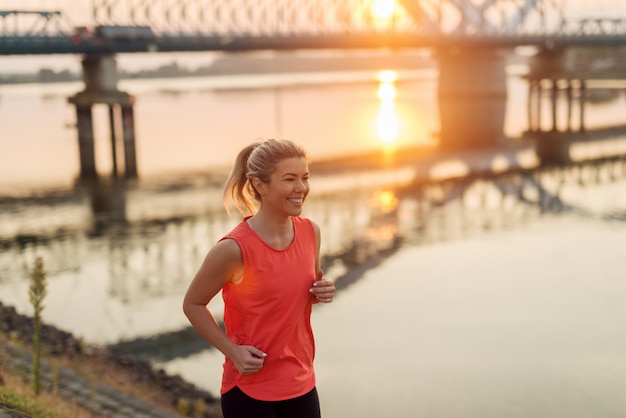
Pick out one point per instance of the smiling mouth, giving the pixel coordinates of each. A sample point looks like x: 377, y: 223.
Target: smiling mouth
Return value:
x: 296, y: 201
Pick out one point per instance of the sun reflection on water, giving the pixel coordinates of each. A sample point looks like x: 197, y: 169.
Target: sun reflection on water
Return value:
x: 387, y: 124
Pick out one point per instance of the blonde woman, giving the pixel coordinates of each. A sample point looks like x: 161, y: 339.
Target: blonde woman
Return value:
x: 268, y: 269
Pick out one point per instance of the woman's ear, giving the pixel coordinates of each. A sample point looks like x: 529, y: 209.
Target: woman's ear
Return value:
x: 258, y: 185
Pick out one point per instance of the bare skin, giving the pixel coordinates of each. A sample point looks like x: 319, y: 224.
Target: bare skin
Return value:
x: 281, y: 199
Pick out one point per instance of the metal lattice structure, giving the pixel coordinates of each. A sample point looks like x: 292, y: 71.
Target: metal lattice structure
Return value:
x: 331, y: 17
x: 33, y: 23
x: 185, y: 25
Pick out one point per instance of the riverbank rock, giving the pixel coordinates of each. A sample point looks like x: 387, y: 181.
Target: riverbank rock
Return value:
x: 123, y: 369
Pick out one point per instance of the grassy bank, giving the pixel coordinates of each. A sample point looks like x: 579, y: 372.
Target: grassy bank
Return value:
x: 20, y: 399
x: 96, y: 365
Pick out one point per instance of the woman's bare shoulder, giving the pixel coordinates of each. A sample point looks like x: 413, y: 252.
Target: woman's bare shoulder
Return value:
x: 227, y: 249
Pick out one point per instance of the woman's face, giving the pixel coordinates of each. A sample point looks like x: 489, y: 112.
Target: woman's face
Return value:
x: 288, y: 187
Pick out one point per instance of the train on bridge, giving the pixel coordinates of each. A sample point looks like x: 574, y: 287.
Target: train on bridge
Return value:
x: 103, y: 34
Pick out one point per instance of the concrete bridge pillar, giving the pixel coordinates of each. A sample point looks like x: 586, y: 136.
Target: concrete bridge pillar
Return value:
x: 99, y: 72
x: 472, y: 98
x: 554, y: 82
x: 128, y: 127
x: 559, y: 93
x: 553, y: 78
x: 100, y: 77
x: 86, y: 148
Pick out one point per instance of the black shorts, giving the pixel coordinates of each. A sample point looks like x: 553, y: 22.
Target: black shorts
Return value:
x: 236, y: 404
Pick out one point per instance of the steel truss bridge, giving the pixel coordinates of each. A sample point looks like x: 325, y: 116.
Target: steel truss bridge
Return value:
x: 245, y: 25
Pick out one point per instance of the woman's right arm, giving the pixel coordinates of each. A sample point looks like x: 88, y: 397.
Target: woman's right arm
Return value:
x: 221, y: 265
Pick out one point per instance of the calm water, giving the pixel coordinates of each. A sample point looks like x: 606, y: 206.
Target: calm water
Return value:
x: 494, y: 298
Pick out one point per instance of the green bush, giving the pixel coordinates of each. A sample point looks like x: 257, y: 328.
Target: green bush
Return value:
x: 25, y: 405
x: 37, y: 294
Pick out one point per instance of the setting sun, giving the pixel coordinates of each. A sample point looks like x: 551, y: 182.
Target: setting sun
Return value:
x: 384, y: 9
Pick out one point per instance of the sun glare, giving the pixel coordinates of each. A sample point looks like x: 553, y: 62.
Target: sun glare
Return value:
x: 387, y: 76
x: 386, y: 92
x: 387, y: 124
x: 386, y: 201
x: 384, y: 9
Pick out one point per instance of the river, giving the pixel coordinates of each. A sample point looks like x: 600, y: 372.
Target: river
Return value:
x: 495, y: 297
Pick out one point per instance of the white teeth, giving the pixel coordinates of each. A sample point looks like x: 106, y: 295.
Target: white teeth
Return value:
x: 295, y: 200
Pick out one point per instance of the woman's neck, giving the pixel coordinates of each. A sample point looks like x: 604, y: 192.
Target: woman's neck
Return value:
x: 275, y: 231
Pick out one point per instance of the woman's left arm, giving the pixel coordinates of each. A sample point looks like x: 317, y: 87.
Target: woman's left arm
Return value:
x: 323, y: 289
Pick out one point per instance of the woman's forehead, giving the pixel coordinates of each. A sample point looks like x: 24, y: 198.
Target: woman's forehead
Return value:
x: 295, y: 165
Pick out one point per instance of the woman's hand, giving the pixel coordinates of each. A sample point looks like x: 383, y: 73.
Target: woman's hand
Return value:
x: 247, y: 359
x: 323, y: 289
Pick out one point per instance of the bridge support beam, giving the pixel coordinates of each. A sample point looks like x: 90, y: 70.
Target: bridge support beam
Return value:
x: 472, y: 98
x: 100, y: 77
x: 554, y: 135
x: 554, y: 148
x: 563, y: 91
x: 568, y: 93
x: 86, y: 148
x: 130, y: 153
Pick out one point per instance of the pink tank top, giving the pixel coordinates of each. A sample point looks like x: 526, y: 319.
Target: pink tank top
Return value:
x: 271, y: 309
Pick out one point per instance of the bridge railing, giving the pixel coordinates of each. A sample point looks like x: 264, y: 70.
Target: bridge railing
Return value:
x: 332, y: 17
x: 34, y: 23
x: 594, y: 27
x: 269, y: 24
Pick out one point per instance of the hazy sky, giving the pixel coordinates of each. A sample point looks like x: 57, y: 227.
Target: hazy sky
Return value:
x: 81, y: 9
x: 79, y: 13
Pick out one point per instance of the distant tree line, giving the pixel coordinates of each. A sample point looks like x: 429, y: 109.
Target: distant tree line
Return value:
x: 242, y: 64
x: 47, y: 75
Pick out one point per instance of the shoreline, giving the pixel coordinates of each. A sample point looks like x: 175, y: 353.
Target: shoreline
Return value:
x: 136, y: 378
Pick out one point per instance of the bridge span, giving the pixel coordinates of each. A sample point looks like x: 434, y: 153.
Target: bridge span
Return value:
x: 469, y: 38
x: 248, y: 25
